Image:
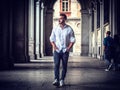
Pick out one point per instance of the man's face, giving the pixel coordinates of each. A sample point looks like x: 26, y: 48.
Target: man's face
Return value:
x: 107, y: 34
x: 61, y: 20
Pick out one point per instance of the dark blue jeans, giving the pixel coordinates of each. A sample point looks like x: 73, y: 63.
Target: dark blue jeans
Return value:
x: 57, y: 58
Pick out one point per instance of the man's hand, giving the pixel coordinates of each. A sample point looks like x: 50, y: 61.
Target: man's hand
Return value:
x: 54, y: 46
x: 69, y: 47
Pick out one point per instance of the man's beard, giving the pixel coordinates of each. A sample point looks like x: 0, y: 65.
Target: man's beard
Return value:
x: 61, y: 21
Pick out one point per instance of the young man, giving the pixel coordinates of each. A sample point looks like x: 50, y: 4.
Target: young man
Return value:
x: 108, y: 50
x: 62, y: 39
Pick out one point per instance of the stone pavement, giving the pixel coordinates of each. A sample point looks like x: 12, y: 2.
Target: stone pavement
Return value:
x: 84, y: 73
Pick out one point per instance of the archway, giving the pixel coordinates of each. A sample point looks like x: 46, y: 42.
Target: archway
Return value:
x: 41, y: 24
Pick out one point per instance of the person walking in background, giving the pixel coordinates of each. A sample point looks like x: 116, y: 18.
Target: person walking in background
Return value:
x: 62, y: 39
x: 108, y: 50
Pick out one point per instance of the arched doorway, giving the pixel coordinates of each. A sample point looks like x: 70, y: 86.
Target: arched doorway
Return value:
x: 41, y: 14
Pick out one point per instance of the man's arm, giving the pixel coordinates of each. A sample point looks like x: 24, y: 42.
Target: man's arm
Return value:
x: 70, y: 46
x: 104, y: 48
x: 52, y: 40
x: 104, y: 44
x: 72, y: 40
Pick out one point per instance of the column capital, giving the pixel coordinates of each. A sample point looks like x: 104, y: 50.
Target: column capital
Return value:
x: 101, y: 1
x: 90, y: 11
x: 42, y: 5
x: 37, y: 2
x: 84, y: 11
x: 49, y: 11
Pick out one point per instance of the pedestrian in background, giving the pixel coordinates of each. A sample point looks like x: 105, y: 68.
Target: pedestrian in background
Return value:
x: 108, y: 50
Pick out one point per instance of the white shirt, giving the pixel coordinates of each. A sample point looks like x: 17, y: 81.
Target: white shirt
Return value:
x: 62, y: 37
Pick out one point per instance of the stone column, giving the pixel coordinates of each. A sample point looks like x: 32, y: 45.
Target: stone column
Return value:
x: 95, y: 31
x: 101, y: 26
x: 48, y: 30
x: 90, y: 34
x: 20, y: 31
x: 31, y: 29
x: 6, y: 58
x: 11, y: 33
x: 37, y: 32
x: 42, y: 33
x: 84, y: 33
x: 112, y: 17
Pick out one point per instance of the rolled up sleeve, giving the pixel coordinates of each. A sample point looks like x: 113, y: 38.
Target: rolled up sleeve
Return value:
x: 72, y: 37
x: 52, y: 36
x: 104, y: 42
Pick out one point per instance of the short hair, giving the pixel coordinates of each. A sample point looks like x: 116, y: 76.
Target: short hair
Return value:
x: 108, y: 32
x: 64, y: 15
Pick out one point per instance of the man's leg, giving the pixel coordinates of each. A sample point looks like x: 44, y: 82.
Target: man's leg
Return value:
x: 64, y: 67
x: 56, y: 68
x: 64, y: 64
x: 56, y: 64
x: 107, y: 61
x: 109, y: 64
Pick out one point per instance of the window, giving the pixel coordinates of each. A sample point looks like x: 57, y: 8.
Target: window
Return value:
x: 65, y: 6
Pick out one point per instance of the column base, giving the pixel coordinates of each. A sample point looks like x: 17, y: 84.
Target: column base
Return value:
x: 101, y: 57
x: 90, y: 54
x: 37, y: 56
x: 41, y: 55
x: 84, y: 54
x: 32, y: 57
x: 95, y: 55
x: 21, y: 59
x: 84, y: 50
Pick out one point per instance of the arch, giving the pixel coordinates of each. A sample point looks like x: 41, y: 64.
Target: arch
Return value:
x: 84, y: 4
x: 48, y: 26
x: 49, y: 4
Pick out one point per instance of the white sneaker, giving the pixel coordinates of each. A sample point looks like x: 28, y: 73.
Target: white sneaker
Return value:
x: 62, y: 83
x: 56, y: 82
x: 106, y: 70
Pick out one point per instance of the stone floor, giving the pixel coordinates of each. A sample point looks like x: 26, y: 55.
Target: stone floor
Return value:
x: 84, y: 73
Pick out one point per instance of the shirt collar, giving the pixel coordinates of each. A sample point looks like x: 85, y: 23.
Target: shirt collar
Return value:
x: 64, y: 26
